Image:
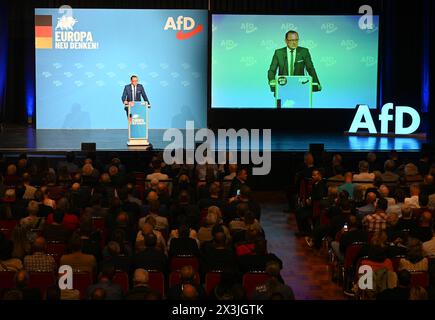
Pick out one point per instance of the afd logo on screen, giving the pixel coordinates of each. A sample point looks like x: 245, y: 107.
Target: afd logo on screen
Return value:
x: 186, y: 27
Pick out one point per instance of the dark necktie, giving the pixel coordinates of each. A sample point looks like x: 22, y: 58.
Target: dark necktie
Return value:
x: 134, y: 93
x: 292, y: 65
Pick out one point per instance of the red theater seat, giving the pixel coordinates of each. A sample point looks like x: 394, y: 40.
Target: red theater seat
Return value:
x: 251, y: 280
x: 7, y: 279
x: 212, y: 279
x: 157, y: 281
x: 180, y: 261
x: 81, y: 281
x: 41, y: 280
x: 121, y: 279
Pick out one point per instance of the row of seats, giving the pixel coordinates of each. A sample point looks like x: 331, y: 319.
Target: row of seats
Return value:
x: 82, y: 280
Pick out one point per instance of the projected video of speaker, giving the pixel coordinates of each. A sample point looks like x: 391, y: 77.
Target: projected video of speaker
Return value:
x: 289, y: 61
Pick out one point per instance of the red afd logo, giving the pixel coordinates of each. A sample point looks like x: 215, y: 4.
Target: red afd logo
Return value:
x: 185, y: 26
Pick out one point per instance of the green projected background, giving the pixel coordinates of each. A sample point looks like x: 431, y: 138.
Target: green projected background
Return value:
x: 344, y: 56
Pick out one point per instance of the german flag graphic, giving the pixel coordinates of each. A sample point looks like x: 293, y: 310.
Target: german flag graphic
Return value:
x: 43, y: 32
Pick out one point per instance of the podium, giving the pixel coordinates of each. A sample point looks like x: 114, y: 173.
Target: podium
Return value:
x: 293, y: 92
x: 138, y: 124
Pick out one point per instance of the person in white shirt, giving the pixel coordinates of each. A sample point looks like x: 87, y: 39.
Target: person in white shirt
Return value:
x: 364, y: 175
x: 413, y: 201
x: 156, y: 165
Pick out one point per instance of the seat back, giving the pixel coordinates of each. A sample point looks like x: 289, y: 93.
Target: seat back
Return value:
x: 180, y: 261
x: 7, y: 233
x: 157, y: 281
x: 121, y: 278
x: 420, y: 278
x: 352, y: 252
x: 251, y: 280
x: 8, y: 224
x: 81, y: 281
x: 7, y: 279
x: 212, y: 279
x: 98, y: 223
x: 41, y: 280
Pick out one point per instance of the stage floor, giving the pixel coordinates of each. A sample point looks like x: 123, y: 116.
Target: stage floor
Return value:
x: 23, y: 139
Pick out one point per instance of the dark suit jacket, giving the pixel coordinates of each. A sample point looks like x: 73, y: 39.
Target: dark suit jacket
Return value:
x: 183, y: 246
x: 151, y: 259
x: 302, y: 62
x: 128, y: 94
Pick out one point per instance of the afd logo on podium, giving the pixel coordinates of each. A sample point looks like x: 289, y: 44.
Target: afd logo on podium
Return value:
x: 186, y: 27
x: 363, y: 120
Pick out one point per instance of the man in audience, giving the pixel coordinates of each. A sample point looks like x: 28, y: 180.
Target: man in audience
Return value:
x: 378, y: 220
x: 406, y: 221
x: 112, y: 290
x: 246, y: 197
x: 39, y: 261
x: 347, y: 185
x: 140, y: 286
x: 154, y: 211
x: 212, y: 200
x: 354, y: 233
x: 29, y: 194
x: 370, y: 207
x: 364, y: 175
x: 22, y: 284
x: 157, y: 166
x: 389, y: 177
x: 238, y: 181
x: 56, y: 231
x: 77, y: 259
x: 187, y: 277
x: 273, y: 288
x: 216, y: 255
x: 308, y: 217
x: 151, y: 258
x: 384, y: 192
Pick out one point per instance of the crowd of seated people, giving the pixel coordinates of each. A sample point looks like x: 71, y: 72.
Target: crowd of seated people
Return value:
x: 160, y: 233
x: 367, y: 215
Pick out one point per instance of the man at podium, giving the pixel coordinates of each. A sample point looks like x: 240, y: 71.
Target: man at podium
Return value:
x: 133, y: 92
x: 292, y: 60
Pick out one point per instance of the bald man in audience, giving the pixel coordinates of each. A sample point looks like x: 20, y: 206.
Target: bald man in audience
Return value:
x: 140, y: 288
x: 188, y: 276
x: 370, y: 207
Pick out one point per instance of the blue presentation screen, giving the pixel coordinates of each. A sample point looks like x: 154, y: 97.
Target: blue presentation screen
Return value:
x: 85, y: 57
x: 344, y: 56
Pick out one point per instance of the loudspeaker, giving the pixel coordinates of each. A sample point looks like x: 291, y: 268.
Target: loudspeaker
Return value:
x: 317, y: 148
x: 89, y: 146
